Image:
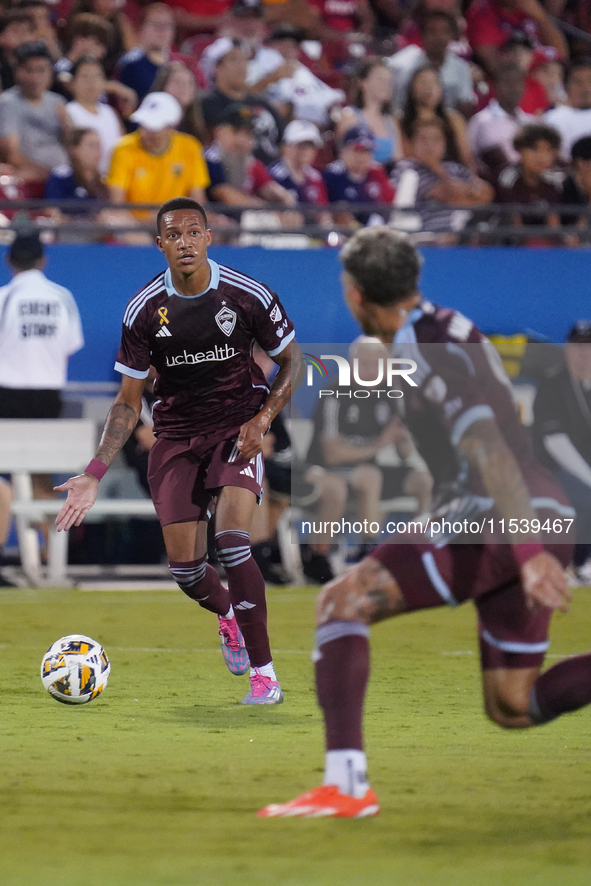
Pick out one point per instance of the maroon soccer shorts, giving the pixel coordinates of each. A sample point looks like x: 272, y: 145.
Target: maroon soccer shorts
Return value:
x: 183, y: 478
x: 511, y: 634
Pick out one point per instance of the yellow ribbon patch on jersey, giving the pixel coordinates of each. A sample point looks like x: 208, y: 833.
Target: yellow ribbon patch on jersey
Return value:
x: 162, y: 313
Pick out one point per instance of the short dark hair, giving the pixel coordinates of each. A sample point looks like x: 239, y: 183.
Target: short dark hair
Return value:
x: 87, y: 60
x: 507, y: 69
x: 577, y: 65
x: 383, y: 263
x: 580, y: 332
x: 426, y: 123
x: 238, y: 116
x: 85, y: 24
x: 581, y: 150
x: 32, y: 49
x: 31, y: 4
x: 25, y: 251
x: 528, y: 136
x: 15, y: 16
x: 76, y: 135
x: 153, y: 7
x: 432, y: 15
x: 180, y: 203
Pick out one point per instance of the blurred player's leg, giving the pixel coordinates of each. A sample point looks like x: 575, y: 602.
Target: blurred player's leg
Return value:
x: 518, y: 698
x: 513, y: 643
x: 247, y: 590
x: 346, y: 608
x: 562, y: 688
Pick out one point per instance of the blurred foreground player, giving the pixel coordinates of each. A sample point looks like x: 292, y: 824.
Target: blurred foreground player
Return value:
x: 466, y: 428
x: 196, y: 324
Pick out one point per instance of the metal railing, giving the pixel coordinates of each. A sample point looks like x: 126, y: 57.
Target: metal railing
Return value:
x: 491, y: 224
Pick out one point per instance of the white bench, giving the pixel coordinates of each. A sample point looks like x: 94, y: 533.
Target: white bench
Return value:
x: 51, y: 446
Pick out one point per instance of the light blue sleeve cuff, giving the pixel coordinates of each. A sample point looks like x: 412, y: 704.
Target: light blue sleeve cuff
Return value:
x: 283, y: 344
x: 132, y: 373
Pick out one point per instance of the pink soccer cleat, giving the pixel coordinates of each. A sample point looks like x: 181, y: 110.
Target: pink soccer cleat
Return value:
x: 324, y: 802
x: 233, y: 648
x: 263, y: 690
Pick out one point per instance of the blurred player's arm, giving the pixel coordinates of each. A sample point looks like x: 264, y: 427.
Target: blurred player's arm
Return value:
x: 568, y: 457
x: 121, y: 421
x: 291, y: 373
x: 544, y: 580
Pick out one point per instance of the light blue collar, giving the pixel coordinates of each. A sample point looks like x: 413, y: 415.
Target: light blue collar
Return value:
x: 406, y: 334
x: 213, y: 283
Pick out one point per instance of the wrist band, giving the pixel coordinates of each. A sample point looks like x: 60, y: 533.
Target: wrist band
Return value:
x: 524, y: 552
x: 96, y: 469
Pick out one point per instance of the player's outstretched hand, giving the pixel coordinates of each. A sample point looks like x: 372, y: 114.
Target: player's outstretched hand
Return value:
x: 544, y: 582
x: 82, y: 492
x: 250, y: 439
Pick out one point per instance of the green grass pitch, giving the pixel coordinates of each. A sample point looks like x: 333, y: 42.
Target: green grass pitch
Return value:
x: 156, y: 783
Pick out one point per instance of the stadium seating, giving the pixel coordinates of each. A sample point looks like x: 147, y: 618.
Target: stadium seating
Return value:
x: 49, y: 446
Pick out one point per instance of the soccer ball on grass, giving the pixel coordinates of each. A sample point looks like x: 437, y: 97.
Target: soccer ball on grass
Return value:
x: 75, y: 669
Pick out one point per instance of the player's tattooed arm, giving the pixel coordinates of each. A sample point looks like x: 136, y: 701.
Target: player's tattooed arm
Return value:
x: 122, y: 419
x: 291, y: 373
x: 486, y: 450
x: 289, y: 377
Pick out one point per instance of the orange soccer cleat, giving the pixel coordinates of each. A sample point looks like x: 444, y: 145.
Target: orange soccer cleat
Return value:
x: 324, y: 802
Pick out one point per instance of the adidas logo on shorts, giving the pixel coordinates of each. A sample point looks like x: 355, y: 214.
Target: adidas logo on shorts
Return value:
x: 163, y: 333
x: 247, y: 471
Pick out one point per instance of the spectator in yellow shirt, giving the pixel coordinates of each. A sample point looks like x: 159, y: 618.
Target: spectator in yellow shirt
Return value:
x: 156, y: 163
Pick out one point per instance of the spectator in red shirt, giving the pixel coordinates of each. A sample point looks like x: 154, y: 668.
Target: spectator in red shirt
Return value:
x: 341, y: 18
x: 534, y: 179
x: 410, y: 32
x: 199, y: 16
x: 519, y: 50
x: 547, y: 68
x: 492, y: 22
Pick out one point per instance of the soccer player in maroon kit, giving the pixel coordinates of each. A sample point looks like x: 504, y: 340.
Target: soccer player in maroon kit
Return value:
x: 466, y: 427
x: 196, y: 323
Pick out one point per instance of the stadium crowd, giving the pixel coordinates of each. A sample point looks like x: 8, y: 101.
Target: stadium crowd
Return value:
x: 425, y: 109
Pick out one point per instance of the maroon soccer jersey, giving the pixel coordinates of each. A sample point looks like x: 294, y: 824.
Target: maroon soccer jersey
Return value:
x: 201, y: 346
x: 460, y: 380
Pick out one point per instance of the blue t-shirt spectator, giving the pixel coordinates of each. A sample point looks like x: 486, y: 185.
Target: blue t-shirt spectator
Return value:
x: 137, y: 71
x: 63, y: 185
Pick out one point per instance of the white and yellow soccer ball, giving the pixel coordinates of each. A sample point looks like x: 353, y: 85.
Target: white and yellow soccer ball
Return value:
x: 75, y: 669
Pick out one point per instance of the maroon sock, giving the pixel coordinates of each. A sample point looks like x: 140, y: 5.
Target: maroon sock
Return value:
x: 199, y: 581
x: 342, y: 672
x: 562, y: 688
x: 247, y: 593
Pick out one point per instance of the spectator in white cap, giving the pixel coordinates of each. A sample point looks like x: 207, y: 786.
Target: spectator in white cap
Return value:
x: 295, y: 171
x: 156, y: 163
